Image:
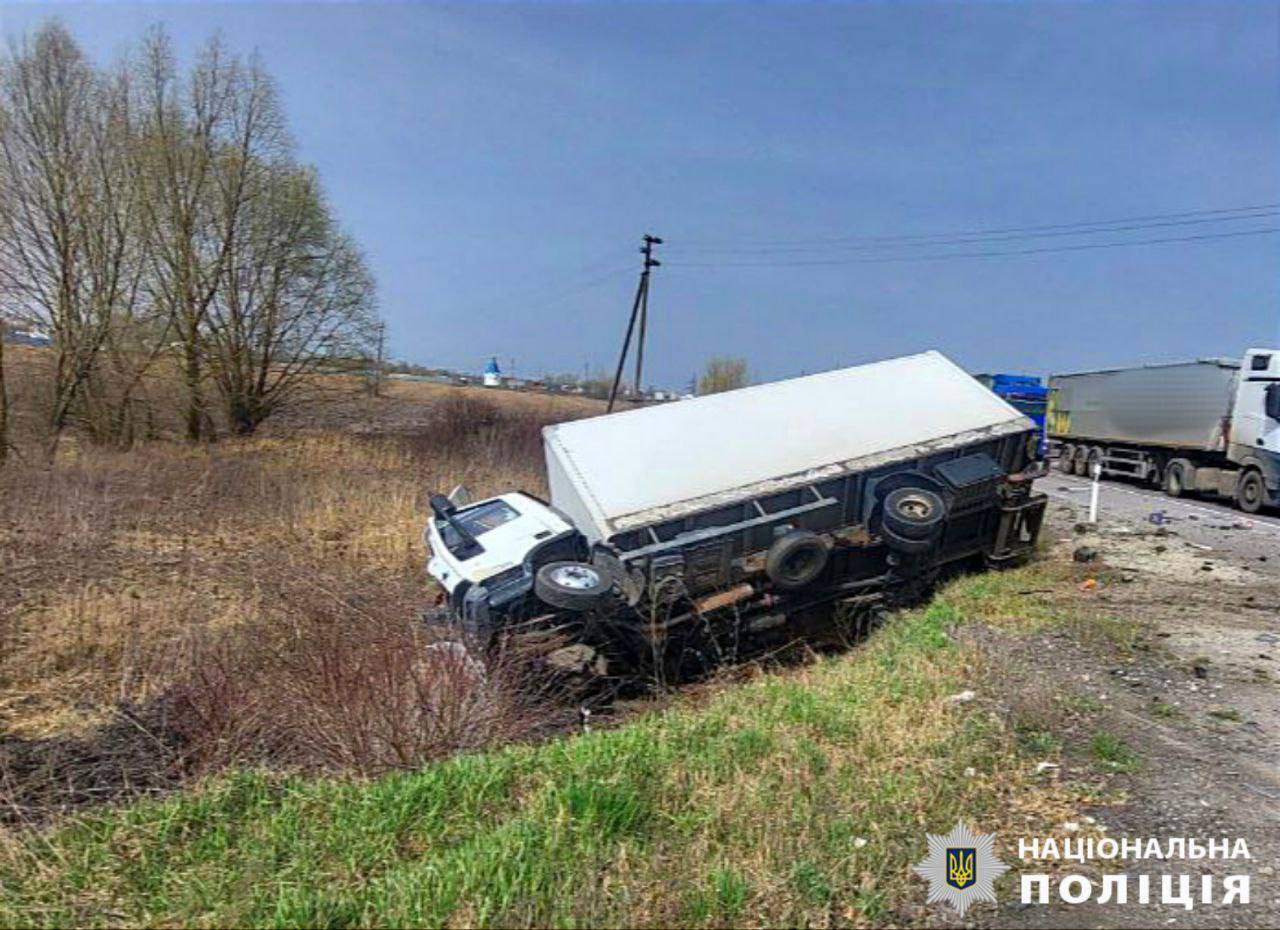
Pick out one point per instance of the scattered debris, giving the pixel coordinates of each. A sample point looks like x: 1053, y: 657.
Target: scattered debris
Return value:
x: 1085, y: 554
x: 964, y: 697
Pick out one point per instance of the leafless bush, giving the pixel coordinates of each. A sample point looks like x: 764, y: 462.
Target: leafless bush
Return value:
x: 465, y: 426
x: 347, y: 689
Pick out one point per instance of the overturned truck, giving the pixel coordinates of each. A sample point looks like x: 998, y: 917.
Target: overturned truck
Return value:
x: 688, y: 533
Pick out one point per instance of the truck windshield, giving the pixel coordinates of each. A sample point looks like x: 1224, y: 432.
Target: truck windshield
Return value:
x: 477, y: 521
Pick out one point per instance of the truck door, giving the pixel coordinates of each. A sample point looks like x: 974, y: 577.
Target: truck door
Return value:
x: 1255, y: 421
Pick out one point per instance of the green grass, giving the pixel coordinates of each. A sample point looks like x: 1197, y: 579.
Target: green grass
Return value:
x: 784, y: 801
x: 1113, y: 752
x: 1083, y: 704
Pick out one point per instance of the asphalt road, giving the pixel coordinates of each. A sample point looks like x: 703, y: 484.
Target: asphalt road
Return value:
x: 1217, y: 526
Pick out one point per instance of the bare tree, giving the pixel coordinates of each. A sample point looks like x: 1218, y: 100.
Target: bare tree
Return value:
x: 146, y: 209
x: 295, y: 295
x: 205, y: 140
x: 65, y: 206
x: 4, y: 401
x: 723, y: 374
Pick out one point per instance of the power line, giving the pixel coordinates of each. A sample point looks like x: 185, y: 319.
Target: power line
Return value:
x: 942, y: 256
x: 585, y: 278
x: 1221, y: 214
x: 968, y: 239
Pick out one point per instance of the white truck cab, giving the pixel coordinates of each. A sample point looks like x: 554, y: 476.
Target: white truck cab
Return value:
x: 485, y: 554
x: 1254, y: 436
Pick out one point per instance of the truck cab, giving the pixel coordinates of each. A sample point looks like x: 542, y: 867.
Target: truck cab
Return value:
x: 1253, y: 439
x: 485, y: 555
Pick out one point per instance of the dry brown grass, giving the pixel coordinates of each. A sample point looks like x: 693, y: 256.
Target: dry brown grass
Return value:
x: 116, y: 567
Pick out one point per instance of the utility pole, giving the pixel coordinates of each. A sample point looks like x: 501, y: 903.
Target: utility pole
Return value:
x: 377, y: 368
x: 639, y: 309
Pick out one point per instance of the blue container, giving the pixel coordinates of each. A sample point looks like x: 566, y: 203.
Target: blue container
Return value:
x: 1026, y: 394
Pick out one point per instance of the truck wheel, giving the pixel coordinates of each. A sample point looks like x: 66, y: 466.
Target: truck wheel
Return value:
x: 1175, y: 479
x: 1080, y: 462
x: 905, y: 546
x: 1251, y: 492
x: 796, y: 559
x: 913, y: 513
x: 1066, y: 459
x: 572, y: 585
x: 1094, y: 458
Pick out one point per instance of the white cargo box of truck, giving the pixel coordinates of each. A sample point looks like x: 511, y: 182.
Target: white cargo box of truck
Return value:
x: 618, y: 473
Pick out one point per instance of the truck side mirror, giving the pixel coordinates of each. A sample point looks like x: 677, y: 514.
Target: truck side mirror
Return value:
x: 1273, y: 400
x: 442, y: 507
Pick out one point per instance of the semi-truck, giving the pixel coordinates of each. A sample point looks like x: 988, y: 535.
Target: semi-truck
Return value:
x: 695, y: 529
x: 1026, y: 393
x: 1209, y: 426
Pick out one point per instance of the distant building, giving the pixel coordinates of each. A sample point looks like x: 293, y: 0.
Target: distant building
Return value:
x: 492, y: 374
x: 28, y: 337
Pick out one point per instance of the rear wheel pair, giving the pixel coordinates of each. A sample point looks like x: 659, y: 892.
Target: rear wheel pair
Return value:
x: 911, y: 520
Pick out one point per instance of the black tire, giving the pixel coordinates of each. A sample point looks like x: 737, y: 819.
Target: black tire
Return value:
x: 573, y: 585
x: 913, y: 513
x: 1066, y: 459
x: 1251, y: 492
x: 1175, y: 480
x: 904, y: 545
x: 1094, y: 458
x: 796, y: 559
x: 1080, y: 462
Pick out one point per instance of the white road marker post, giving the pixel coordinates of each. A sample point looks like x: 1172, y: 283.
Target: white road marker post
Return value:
x: 1093, y: 492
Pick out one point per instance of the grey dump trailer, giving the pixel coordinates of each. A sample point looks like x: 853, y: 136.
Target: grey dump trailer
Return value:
x: 698, y: 527
x: 1210, y: 426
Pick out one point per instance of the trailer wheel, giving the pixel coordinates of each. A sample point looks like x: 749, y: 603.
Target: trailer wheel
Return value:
x: 1251, y: 492
x: 1094, y: 458
x: 1066, y: 459
x: 796, y: 559
x: 913, y: 513
x: 1080, y: 461
x: 572, y: 585
x: 1175, y: 479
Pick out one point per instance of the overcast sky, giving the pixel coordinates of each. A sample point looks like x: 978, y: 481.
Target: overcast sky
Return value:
x: 499, y: 164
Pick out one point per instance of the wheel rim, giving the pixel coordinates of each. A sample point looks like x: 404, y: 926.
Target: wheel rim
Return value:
x: 800, y: 563
x: 1250, y: 492
x: 915, y: 508
x: 575, y: 577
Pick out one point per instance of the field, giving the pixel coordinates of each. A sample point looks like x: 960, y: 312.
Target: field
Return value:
x: 216, y: 711
x: 127, y: 574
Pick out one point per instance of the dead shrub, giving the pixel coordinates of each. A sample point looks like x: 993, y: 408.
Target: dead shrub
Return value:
x: 491, y: 448
x: 347, y: 688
